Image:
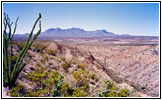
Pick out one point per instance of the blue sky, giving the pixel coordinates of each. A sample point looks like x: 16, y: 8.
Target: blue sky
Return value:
x: 120, y: 18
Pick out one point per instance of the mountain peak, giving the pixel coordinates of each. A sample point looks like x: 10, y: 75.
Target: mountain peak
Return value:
x: 102, y: 31
x: 75, y: 29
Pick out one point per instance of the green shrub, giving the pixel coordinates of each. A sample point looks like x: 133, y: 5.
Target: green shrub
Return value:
x: 39, y: 47
x: 44, y: 59
x: 124, y: 92
x: 48, y: 83
x: 121, y: 93
x: 31, y: 93
x: 15, y: 43
x: 94, y: 77
x: 64, y: 89
x: 65, y: 66
x: 83, y: 78
x: 82, y: 66
x: 21, y: 45
x: 38, y: 65
x: 38, y: 76
x: 80, y: 92
x: 63, y: 59
x: 51, y: 52
x: 66, y: 63
x: 16, y: 91
x: 113, y: 91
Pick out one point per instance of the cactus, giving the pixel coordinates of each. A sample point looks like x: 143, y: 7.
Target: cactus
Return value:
x: 10, y: 70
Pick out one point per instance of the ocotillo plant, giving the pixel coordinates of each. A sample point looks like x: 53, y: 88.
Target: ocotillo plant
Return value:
x: 12, y: 70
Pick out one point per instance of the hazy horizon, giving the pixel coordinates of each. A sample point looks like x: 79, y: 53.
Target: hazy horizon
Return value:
x: 87, y: 30
x: 119, y: 18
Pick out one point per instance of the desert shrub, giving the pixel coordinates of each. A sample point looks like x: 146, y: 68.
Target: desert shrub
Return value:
x: 124, y: 93
x: 82, y: 66
x: 44, y: 59
x: 51, y: 52
x: 63, y: 59
x: 38, y: 64
x: 64, y: 89
x: 39, y: 47
x: 31, y: 93
x: 15, y: 43
x: 37, y: 76
x: 67, y: 91
x: 21, y: 45
x: 48, y: 83
x: 16, y: 91
x: 110, y: 85
x: 113, y: 91
x: 94, y: 77
x: 66, y: 63
x: 65, y: 66
x: 121, y: 93
x: 80, y: 92
x: 83, y: 78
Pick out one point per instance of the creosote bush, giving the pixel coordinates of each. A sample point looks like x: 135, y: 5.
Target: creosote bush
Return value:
x: 82, y: 66
x: 47, y: 83
x: 82, y: 77
x: 94, y: 77
x: 51, y: 52
x: 17, y: 91
x: 80, y: 92
x: 113, y: 91
x: 44, y: 59
x: 66, y: 63
x: 21, y: 45
x: 38, y: 47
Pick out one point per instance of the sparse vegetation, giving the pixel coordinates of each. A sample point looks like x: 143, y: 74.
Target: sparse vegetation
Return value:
x: 112, y: 91
x: 82, y: 66
x: 66, y: 63
x: 51, y: 52
x: 44, y: 59
x: 16, y: 91
x: 38, y: 47
x: 114, y: 76
x: 21, y: 45
x: 94, y: 77
x: 47, y: 83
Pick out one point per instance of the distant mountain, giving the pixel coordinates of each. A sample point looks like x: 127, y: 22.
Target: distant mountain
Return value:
x: 74, y: 32
x: 27, y: 33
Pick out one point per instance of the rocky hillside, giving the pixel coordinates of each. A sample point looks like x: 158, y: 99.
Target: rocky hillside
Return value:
x: 138, y: 65
x: 69, y: 61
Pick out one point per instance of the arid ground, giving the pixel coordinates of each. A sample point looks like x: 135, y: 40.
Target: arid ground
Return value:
x: 130, y: 63
x: 136, y: 60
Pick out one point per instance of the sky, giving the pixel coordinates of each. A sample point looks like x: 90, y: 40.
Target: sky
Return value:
x: 119, y: 18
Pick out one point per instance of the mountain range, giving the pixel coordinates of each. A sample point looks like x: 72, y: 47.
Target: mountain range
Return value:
x: 74, y: 32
